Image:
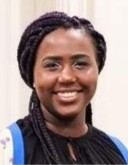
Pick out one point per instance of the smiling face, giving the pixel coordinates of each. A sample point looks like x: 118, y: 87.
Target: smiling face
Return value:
x: 65, y: 73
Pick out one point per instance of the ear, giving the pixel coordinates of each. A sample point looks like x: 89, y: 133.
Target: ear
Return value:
x: 34, y: 85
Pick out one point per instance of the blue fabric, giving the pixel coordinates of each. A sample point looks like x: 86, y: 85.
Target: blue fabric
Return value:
x: 17, y: 144
x: 121, y: 147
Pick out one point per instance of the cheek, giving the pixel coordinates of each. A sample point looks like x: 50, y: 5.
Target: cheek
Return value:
x: 90, y: 79
x: 43, y: 80
x: 43, y: 85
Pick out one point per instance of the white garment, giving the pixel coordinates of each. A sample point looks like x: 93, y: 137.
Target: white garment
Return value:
x: 6, y: 147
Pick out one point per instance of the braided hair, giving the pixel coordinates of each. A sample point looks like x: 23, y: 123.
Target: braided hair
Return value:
x: 29, y: 43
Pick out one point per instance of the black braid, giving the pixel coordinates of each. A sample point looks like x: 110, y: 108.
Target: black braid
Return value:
x: 40, y: 129
x: 88, y: 117
x: 30, y: 40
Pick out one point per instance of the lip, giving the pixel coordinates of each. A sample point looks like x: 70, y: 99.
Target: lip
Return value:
x: 67, y: 96
x: 67, y: 90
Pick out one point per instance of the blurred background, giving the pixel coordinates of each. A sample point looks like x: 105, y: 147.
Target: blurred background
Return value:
x: 110, y: 104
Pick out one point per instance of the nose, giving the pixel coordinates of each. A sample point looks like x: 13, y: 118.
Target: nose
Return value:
x: 67, y: 76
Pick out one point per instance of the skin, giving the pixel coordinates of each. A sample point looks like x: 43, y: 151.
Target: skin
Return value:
x: 65, y: 78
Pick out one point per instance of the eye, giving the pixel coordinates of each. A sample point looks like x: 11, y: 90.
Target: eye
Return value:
x: 81, y: 64
x: 52, y: 66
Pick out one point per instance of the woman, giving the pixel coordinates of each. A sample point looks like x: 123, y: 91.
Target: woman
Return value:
x: 60, y: 58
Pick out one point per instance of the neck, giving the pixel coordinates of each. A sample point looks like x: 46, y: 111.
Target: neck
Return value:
x: 74, y: 127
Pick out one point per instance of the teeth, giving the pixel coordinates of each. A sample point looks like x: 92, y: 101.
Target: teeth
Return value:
x: 67, y: 94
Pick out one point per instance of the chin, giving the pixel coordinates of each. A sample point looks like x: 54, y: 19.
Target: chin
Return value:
x: 67, y: 116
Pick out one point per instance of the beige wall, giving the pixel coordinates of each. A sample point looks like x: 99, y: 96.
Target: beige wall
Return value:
x: 111, y: 103
x: 109, y: 17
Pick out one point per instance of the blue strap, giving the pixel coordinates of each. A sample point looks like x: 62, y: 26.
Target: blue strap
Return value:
x: 121, y: 147
x: 17, y: 144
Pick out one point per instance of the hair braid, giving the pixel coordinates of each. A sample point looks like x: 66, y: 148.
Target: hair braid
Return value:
x: 88, y: 117
x: 36, y: 128
x: 100, y: 46
x: 40, y: 129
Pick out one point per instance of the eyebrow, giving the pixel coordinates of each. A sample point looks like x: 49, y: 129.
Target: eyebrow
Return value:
x: 58, y: 58
x: 53, y: 57
x: 78, y: 56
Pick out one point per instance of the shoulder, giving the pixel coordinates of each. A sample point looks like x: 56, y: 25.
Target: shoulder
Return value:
x: 122, y: 148
x: 103, y: 136
x: 6, y: 147
x: 26, y: 127
x: 113, y: 142
x: 11, y: 145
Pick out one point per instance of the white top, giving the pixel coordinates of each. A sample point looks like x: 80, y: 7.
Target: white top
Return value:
x: 6, y: 147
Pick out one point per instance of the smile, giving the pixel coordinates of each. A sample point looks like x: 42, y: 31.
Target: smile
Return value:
x: 67, y: 94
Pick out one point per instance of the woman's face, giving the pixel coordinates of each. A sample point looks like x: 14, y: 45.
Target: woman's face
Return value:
x: 65, y: 72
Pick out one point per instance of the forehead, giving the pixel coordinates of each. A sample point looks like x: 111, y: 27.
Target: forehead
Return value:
x: 62, y: 40
x: 62, y: 33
